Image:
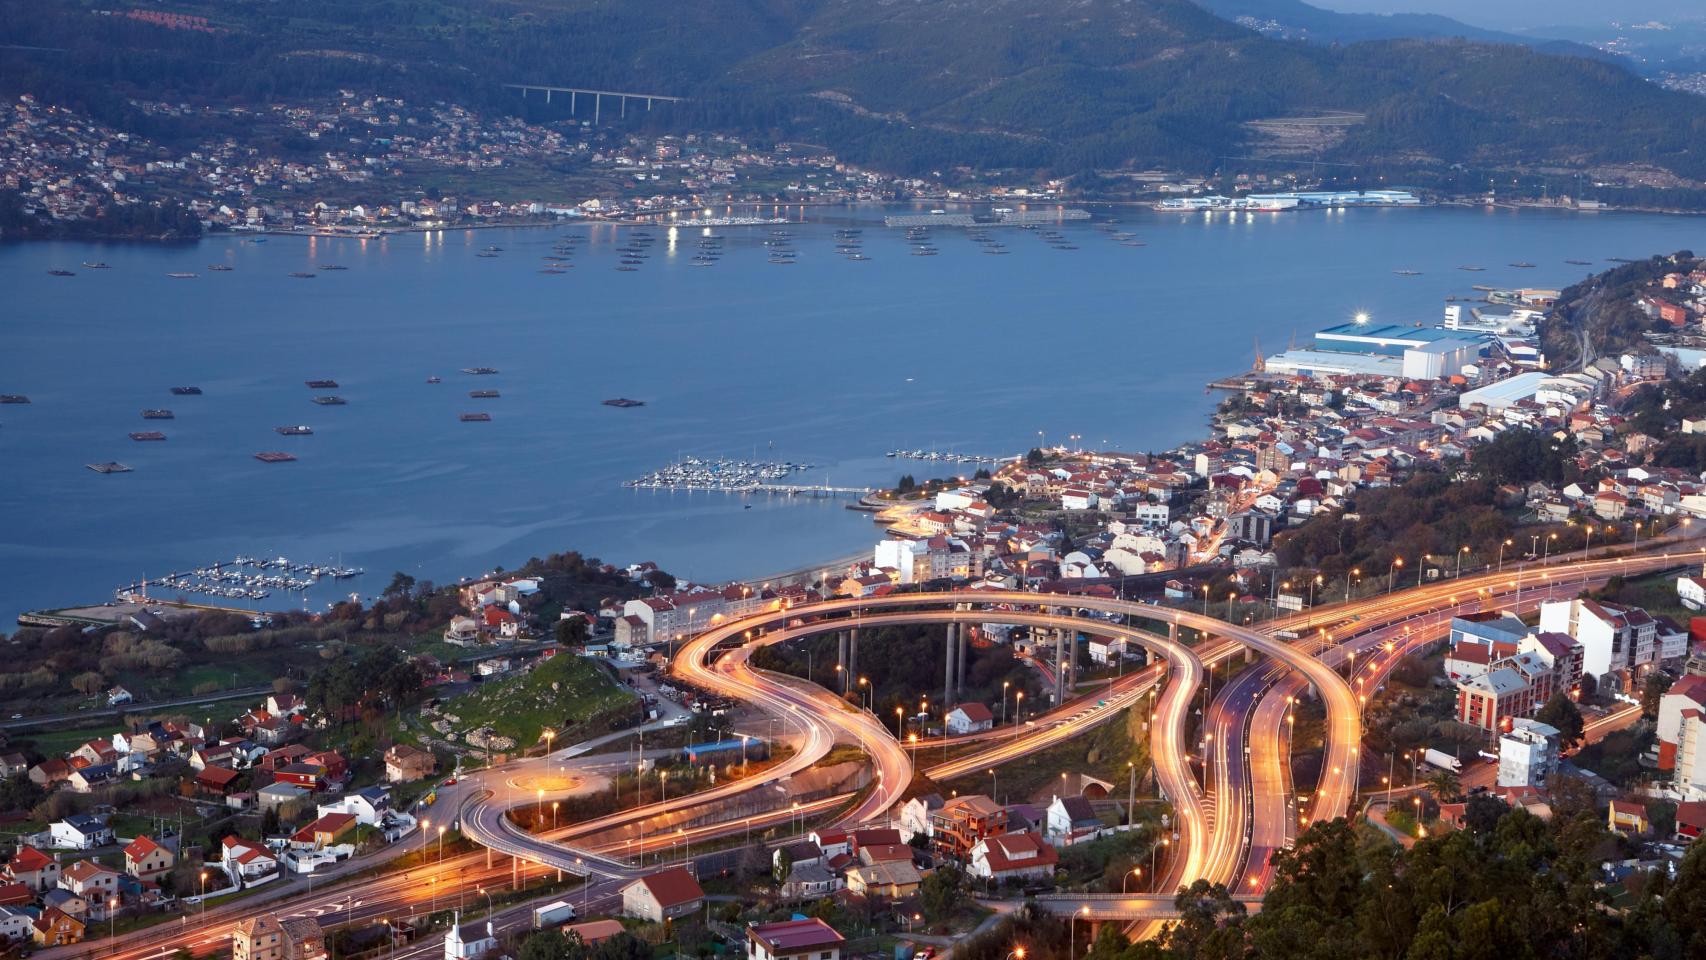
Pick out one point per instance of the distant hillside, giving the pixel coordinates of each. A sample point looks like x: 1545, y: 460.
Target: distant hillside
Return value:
x: 1294, y: 19
x: 1055, y: 85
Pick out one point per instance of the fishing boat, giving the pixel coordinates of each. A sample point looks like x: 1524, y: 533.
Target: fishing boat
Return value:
x: 294, y: 431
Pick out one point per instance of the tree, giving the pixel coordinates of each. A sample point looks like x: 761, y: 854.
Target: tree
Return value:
x: 942, y: 893
x: 400, y: 585
x: 1561, y: 712
x: 572, y: 631
x: 661, y: 580
x: 1652, y: 692
x: 1445, y: 786
x: 88, y: 683
x: 551, y: 945
x: 784, y: 865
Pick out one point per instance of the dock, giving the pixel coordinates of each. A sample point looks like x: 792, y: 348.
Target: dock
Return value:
x: 1010, y: 218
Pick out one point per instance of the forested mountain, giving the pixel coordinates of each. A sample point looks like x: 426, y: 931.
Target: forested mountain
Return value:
x: 1295, y: 19
x: 1056, y: 85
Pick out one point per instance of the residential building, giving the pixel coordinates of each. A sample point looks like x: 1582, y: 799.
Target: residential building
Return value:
x: 266, y: 937
x: 808, y: 939
x: 1528, y: 754
x: 915, y: 815
x: 1615, y: 639
x: 16, y: 924
x: 34, y: 869
x: 245, y: 861
x: 330, y: 830
x: 468, y: 942
x: 404, y: 763
x: 56, y: 928
x: 1012, y: 856
x: 1513, y: 687
x: 969, y: 718
x: 91, y: 881
x: 809, y: 880
x: 144, y: 859
x: 1627, y: 817
x: 962, y: 822
x: 885, y: 879
x: 1072, y: 820
x: 662, y: 896
x: 81, y: 831
x: 1681, y: 736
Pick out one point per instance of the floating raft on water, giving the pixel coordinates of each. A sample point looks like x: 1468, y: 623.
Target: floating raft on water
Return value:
x: 476, y: 417
x: 624, y: 402
x: 322, y: 384
x: 111, y: 466
x: 483, y: 394
x: 186, y: 391
x: 157, y: 415
x: 274, y: 456
x: 148, y: 435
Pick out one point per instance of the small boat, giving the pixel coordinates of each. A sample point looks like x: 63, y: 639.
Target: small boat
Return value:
x: 487, y: 255
x: 628, y: 269
x: 148, y: 435
x: 111, y: 466
x: 480, y: 371
x: 157, y: 415
x: 303, y: 275
x: 1580, y: 263
x: 321, y: 384
x: 632, y: 262
x: 329, y: 401
x: 553, y: 270
x: 332, y: 266
x: 60, y: 273
x: 1523, y: 265
x: 623, y: 402
x: 182, y: 276
x: 97, y: 265
x: 476, y: 418
x: 13, y: 398
x: 435, y: 379
x: 186, y: 391
x: 782, y: 260
x: 220, y: 267
x: 858, y: 256
x: 493, y: 248
x: 1472, y: 269
x: 274, y: 456
x: 1408, y: 273
x: 296, y: 431
x: 258, y: 240
x: 483, y: 394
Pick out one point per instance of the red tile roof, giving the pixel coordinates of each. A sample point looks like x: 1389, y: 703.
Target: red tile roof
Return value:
x: 673, y: 887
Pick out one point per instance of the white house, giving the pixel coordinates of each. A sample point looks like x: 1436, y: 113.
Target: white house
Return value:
x: 369, y: 806
x: 1072, y: 820
x: 1012, y: 856
x: 1691, y: 591
x: 915, y: 816
x: 807, y: 939
x: 246, y: 862
x: 1613, y: 638
x: 1527, y: 754
x: 969, y: 718
x: 469, y: 942
x: 662, y: 896
x: 15, y: 924
x: 81, y: 832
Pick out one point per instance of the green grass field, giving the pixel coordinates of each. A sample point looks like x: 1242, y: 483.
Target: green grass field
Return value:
x: 565, y: 693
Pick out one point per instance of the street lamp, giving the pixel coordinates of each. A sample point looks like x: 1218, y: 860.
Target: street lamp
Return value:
x: 1507, y: 543
x: 1125, y: 882
x: 1392, y: 571
x: 1004, y: 685
x: 899, y: 723
x: 1461, y: 552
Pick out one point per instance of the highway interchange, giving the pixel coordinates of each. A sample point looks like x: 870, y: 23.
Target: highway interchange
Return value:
x: 1230, y: 818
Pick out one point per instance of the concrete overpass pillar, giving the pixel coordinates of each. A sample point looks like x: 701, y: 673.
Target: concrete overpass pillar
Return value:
x: 1173, y: 632
x: 948, y: 671
x: 841, y: 659
x: 960, y: 671
x: 852, y: 657
x: 1059, y: 667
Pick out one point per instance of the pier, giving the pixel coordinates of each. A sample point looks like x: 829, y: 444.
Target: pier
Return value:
x: 1009, y: 218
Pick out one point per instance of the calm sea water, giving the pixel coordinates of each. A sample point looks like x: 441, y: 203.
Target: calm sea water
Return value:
x: 826, y: 361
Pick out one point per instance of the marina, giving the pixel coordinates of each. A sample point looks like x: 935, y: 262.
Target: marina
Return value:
x: 244, y: 578
x: 934, y: 456
x: 695, y: 473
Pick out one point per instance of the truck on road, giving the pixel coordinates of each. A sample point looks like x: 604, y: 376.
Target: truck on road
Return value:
x: 553, y: 914
x: 1442, y: 760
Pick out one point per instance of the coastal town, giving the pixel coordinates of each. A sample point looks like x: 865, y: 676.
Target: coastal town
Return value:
x: 158, y: 814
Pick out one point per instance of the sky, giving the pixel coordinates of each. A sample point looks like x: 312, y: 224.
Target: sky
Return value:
x: 1519, y: 14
